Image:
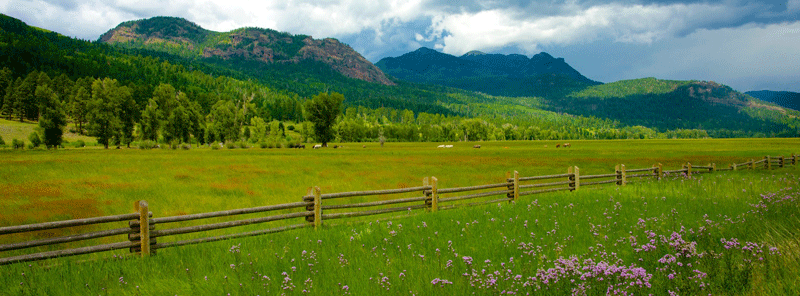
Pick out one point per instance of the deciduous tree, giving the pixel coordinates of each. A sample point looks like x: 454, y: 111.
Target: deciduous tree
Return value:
x: 322, y: 110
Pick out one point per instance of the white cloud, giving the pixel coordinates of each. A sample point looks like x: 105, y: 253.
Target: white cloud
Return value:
x: 749, y: 57
x: 793, y: 5
x: 492, y: 29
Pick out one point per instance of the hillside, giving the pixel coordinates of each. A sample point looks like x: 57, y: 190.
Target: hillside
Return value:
x: 184, y: 38
x: 666, y: 105
x: 784, y: 99
x: 495, y: 74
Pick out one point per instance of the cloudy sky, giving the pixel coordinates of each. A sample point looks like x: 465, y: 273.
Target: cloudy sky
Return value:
x: 749, y: 45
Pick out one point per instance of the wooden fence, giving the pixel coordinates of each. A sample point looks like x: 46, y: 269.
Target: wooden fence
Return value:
x: 315, y: 207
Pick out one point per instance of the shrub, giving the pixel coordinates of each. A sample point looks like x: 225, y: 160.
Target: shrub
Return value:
x: 2, y: 143
x: 79, y: 144
x: 147, y: 145
x: 17, y: 144
x: 185, y: 146
x: 35, y: 140
x: 215, y: 146
x: 290, y: 127
x: 230, y: 145
x: 263, y: 145
x: 243, y: 145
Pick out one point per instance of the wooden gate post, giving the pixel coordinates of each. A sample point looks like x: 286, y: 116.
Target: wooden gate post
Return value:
x: 688, y: 167
x: 574, y: 178
x: 752, y: 164
x: 434, y: 194
x: 142, y: 208
x: 794, y: 159
x: 317, y: 207
x: 781, y: 162
x: 733, y: 166
x: 767, y: 162
x: 621, y: 176
x: 713, y: 167
x: 659, y: 171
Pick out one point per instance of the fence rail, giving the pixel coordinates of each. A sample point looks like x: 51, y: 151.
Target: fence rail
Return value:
x: 142, y: 230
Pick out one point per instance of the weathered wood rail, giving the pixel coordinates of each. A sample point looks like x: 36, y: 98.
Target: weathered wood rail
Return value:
x: 143, y: 231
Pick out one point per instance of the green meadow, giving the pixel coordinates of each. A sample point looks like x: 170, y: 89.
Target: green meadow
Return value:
x: 728, y: 233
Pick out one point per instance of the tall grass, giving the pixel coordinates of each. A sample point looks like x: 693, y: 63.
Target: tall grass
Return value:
x: 730, y: 233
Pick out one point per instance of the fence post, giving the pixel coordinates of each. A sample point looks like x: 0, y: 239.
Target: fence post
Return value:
x: 434, y: 194
x: 688, y: 167
x: 752, y: 164
x: 144, y: 226
x: 794, y: 159
x: 733, y: 166
x: 767, y: 162
x: 317, y: 207
x: 621, y: 176
x: 781, y: 161
x: 516, y: 185
x: 659, y: 170
x: 713, y: 167
x: 574, y: 178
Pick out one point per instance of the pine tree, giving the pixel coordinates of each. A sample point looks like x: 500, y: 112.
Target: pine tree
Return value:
x: 5, y: 80
x: 9, y: 99
x: 104, y: 121
x: 53, y: 119
x: 151, y: 121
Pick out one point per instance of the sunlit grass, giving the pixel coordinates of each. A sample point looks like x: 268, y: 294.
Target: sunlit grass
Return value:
x: 645, y: 238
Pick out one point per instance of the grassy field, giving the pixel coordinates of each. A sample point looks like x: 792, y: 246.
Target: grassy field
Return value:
x: 13, y: 129
x: 548, y: 236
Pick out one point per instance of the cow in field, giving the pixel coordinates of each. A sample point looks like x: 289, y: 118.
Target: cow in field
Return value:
x: 476, y: 146
x: 567, y: 145
x: 558, y: 145
x: 317, y: 146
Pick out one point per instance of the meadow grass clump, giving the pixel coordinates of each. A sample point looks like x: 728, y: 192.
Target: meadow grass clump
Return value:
x: 727, y: 233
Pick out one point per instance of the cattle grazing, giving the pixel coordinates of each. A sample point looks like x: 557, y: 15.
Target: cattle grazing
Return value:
x: 365, y: 146
x: 567, y: 145
x: 558, y: 145
x: 545, y: 146
x: 476, y: 146
x: 301, y: 146
x: 317, y: 146
x: 335, y: 146
x: 440, y: 146
x: 448, y: 146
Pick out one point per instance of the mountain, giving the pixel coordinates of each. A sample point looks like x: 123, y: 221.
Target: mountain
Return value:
x: 784, y: 99
x: 669, y: 105
x: 495, y: 74
x: 184, y: 38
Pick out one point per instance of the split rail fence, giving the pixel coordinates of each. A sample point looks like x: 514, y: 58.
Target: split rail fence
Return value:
x: 142, y: 233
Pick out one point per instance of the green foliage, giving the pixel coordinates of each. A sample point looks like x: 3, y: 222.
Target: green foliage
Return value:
x: 226, y: 126
x: 35, y: 140
x: 322, y: 110
x: 17, y: 144
x: 79, y: 144
x: 105, y: 106
x: 52, y: 119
